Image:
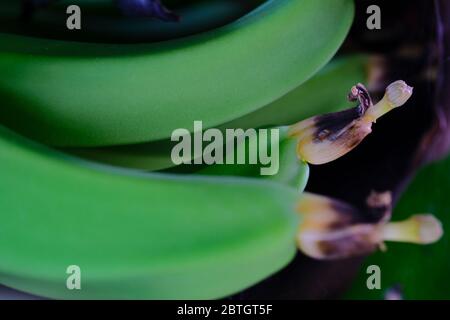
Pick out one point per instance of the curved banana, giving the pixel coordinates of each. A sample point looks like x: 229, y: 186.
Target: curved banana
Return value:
x: 320, y: 94
x: 87, y: 94
x: 135, y: 236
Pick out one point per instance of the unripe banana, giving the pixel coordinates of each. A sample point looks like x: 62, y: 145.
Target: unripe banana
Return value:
x: 320, y: 94
x: 87, y: 94
x: 135, y: 236
x: 289, y: 169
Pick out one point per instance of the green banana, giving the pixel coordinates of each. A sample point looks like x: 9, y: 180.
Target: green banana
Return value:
x: 87, y: 94
x: 291, y: 171
x: 135, y: 235
x: 321, y: 94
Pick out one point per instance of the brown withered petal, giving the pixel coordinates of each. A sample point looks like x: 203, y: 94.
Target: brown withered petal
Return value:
x: 359, y: 93
x: 331, y: 229
x: 327, y: 137
x: 340, y: 244
x: 324, y: 213
x: 380, y: 205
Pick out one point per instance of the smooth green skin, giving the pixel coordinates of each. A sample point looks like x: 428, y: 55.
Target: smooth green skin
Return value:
x: 102, y: 22
x: 324, y: 93
x: 87, y: 94
x: 135, y: 236
x: 292, y: 171
x: 422, y: 272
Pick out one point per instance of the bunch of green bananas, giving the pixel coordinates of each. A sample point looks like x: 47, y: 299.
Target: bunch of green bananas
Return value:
x: 96, y: 94
x: 153, y: 235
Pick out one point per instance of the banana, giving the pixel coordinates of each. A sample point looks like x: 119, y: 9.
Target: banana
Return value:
x: 321, y: 94
x: 290, y: 170
x: 135, y: 236
x: 91, y: 94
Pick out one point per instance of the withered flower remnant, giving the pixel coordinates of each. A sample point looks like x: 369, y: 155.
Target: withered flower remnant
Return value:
x: 327, y: 137
x: 332, y: 229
